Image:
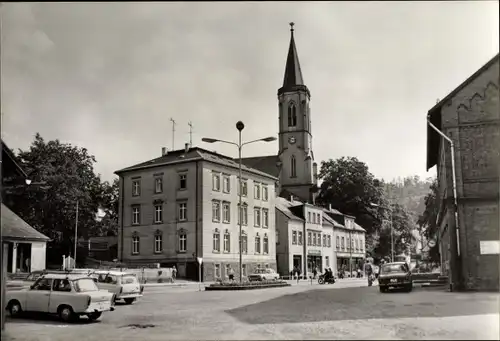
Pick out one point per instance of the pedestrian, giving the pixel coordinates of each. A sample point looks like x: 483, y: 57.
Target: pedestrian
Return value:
x: 315, y: 272
x: 231, y: 274
x: 298, y: 275
x: 174, y: 273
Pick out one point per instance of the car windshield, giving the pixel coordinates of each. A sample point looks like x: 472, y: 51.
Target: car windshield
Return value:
x: 129, y: 279
x: 393, y: 268
x: 85, y: 285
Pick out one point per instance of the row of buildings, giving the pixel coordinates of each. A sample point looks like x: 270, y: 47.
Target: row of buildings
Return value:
x: 184, y: 204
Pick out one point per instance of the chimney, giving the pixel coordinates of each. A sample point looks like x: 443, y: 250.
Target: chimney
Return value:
x: 186, y: 147
x: 330, y: 207
x: 291, y: 198
x: 163, y: 151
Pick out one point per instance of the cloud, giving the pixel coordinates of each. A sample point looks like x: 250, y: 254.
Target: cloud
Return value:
x: 109, y: 76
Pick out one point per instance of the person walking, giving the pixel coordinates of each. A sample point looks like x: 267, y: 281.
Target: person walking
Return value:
x: 231, y: 274
x: 174, y: 273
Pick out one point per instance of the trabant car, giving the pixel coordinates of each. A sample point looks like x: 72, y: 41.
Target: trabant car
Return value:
x: 69, y: 296
x: 264, y: 274
x: 124, y: 285
x: 395, y: 275
x: 25, y: 282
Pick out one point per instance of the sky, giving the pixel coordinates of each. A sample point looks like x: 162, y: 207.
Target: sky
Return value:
x: 110, y: 76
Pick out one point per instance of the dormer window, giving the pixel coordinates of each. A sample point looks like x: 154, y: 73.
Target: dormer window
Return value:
x: 292, y: 115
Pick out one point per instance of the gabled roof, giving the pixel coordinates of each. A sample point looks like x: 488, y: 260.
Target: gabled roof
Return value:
x: 9, y: 160
x: 434, y: 115
x: 284, y: 206
x: 267, y: 164
x: 193, y: 154
x: 14, y: 227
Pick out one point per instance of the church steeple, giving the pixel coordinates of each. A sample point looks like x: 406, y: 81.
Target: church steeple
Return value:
x: 293, y: 79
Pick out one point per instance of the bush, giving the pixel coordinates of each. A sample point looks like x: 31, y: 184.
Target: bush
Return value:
x: 246, y: 285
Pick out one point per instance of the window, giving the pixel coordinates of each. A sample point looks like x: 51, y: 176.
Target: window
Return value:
x: 227, y: 268
x: 294, y: 237
x: 292, y: 115
x: 182, y: 181
x: 136, y: 188
x: 216, y: 211
x: 308, y: 217
x: 314, y: 239
x: 182, y: 211
x: 352, y: 244
x: 265, y: 245
x: 136, y: 215
x: 256, y: 216
x: 318, y: 218
x: 309, y: 236
x: 343, y: 245
x: 158, y: 242
x: 43, y: 284
x: 257, y: 244
x: 300, y: 238
x: 293, y: 166
x: 324, y: 240
x: 338, y: 242
x: 265, y: 193
x: 135, y: 244
x: 265, y: 217
x: 329, y: 241
x: 256, y: 190
x: 244, y: 243
x: 243, y: 187
x: 361, y: 246
x: 217, y: 270
x: 158, y: 185
x: 216, y: 182
x: 327, y: 261
x: 226, y: 185
x: 226, y: 212
x: 182, y: 242
x: 277, y: 236
x: 243, y: 214
x: 356, y: 244
x: 216, y: 241
x: 61, y: 285
x: 158, y: 213
x: 227, y: 242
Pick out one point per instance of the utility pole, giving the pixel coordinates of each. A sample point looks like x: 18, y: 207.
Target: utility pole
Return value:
x: 76, y: 233
x: 190, y: 134
x: 173, y: 133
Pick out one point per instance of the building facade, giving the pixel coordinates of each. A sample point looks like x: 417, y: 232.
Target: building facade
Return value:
x: 294, y: 164
x: 469, y: 116
x: 184, y: 205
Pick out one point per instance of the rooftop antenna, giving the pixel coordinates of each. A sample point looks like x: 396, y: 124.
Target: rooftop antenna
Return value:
x: 173, y: 132
x: 190, y: 134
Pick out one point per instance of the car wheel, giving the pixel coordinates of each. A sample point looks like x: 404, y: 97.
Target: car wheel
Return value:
x: 129, y: 300
x: 66, y: 313
x: 15, y: 308
x: 94, y: 316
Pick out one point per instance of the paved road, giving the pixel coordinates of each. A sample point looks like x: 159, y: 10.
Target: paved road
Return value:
x: 340, y: 311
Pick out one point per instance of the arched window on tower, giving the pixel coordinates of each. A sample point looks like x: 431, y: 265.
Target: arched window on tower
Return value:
x: 293, y: 167
x: 292, y: 115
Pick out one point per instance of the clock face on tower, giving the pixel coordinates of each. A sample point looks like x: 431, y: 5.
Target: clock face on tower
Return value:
x: 291, y: 139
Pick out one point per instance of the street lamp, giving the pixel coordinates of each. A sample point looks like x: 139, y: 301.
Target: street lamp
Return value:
x: 392, y: 229
x: 240, y: 126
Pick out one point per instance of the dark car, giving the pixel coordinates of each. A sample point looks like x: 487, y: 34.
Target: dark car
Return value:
x: 395, y: 275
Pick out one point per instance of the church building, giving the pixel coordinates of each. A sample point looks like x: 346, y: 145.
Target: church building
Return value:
x: 294, y: 165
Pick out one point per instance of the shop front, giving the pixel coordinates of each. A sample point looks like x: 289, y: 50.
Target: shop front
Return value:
x: 314, y: 261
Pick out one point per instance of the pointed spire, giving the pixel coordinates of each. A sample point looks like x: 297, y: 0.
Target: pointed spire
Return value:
x: 293, y: 74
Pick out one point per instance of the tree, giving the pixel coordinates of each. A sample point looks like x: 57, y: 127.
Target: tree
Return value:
x: 427, y: 221
x: 68, y: 174
x: 108, y: 225
x: 349, y: 187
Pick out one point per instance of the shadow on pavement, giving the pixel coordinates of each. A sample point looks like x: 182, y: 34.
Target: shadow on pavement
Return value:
x: 47, y: 319
x: 364, y: 303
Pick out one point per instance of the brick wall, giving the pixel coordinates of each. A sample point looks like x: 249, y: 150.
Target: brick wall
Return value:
x: 471, y: 119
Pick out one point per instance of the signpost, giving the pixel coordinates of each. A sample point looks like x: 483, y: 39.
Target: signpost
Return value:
x: 200, y: 261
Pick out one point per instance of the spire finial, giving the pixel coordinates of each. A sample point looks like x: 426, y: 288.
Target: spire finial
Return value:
x: 291, y: 26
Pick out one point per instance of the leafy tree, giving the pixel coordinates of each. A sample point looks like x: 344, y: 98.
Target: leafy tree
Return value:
x: 348, y: 186
x: 108, y: 225
x: 68, y: 176
x: 427, y: 220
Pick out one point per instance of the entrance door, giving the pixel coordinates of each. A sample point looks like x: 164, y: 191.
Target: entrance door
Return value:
x: 297, y: 262
x: 39, y: 297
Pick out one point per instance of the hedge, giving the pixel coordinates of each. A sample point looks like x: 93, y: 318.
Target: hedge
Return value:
x: 246, y: 285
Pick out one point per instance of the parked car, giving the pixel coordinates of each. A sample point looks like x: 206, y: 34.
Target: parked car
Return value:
x: 264, y: 274
x: 124, y: 285
x: 395, y: 275
x: 25, y: 282
x: 67, y: 295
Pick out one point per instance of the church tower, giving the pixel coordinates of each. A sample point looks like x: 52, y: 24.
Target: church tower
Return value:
x: 298, y: 173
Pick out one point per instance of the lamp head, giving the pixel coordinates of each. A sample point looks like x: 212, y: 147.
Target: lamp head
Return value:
x: 269, y: 139
x: 28, y: 181
x: 240, y: 126
x: 209, y: 140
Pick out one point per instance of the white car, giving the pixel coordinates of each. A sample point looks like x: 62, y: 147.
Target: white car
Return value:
x: 69, y: 296
x: 266, y: 274
x: 124, y: 285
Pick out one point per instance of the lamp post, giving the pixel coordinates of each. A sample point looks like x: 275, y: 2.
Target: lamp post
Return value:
x: 392, y: 229
x: 240, y: 126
